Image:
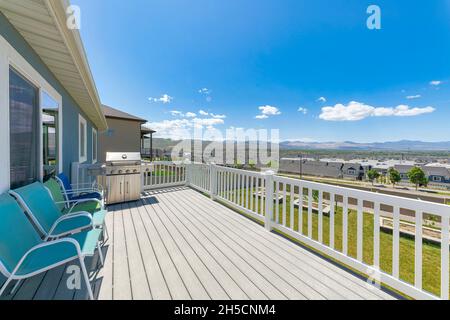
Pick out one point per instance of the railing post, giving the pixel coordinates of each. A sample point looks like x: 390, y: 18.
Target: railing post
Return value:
x: 268, y: 177
x: 212, y: 181
x: 188, y: 168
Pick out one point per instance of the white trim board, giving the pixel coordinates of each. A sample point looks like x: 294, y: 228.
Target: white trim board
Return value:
x: 94, y: 134
x: 9, y: 57
x: 83, y: 121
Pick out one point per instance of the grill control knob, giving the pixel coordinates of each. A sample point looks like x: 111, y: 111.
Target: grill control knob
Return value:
x: 120, y: 171
x: 128, y: 171
x: 135, y: 170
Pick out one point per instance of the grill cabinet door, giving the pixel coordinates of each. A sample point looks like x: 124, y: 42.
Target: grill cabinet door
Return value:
x: 132, y: 187
x: 116, y: 187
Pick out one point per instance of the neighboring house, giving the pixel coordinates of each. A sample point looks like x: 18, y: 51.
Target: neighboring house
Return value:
x: 49, y: 107
x: 438, y: 174
x: 403, y: 169
x: 125, y: 133
x: 353, y: 171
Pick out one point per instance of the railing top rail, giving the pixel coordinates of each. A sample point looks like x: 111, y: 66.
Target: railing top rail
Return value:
x: 246, y: 172
x: 392, y: 200
x: 171, y: 163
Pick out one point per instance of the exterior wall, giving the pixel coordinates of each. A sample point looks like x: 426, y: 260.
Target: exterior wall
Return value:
x: 122, y: 136
x: 70, y: 109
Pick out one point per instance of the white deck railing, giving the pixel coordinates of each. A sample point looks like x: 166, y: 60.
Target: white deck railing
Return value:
x: 162, y: 174
x: 298, y: 209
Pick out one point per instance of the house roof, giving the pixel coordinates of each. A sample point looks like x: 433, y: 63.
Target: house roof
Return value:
x: 110, y: 112
x: 42, y: 23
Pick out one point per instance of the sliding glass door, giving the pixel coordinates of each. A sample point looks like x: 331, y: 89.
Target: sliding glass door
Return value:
x: 24, y: 130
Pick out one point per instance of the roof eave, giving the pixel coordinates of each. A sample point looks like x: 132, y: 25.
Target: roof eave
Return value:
x: 75, y: 46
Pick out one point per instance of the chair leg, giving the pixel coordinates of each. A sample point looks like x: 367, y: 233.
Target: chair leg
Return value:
x: 3, y: 288
x: 16, y: 286
x: 86, y: 278
x: 100, y: 254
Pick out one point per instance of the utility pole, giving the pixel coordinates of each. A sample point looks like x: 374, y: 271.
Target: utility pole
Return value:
x: 300, y: 156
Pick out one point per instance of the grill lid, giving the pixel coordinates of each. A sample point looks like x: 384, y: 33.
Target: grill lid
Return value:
x: 123, y: 157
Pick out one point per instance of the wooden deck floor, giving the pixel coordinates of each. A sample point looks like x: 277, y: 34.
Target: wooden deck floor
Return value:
x: 178, y: 244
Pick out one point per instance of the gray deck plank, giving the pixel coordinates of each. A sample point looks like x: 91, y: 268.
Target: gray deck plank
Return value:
x: 29, y: 287
x: 157, y: 282
x: 209, y: 282
x: 291, y: 286
x: 103, y: 285
x: 243, y: 263
x: 121, y: 273
x: 190, y: 279
x: 215, y: 263
x: 334, y: 276
x: 51, y: 280
x: 138, y: 277
x: 173, y: 279
x: 289, y: 272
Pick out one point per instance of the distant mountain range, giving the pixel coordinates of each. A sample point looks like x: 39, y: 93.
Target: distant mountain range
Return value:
x: 403, y: 145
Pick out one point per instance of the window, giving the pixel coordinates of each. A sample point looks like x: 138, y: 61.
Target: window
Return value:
x: 351, y: 171
x: 94, y: 145
x: 82, y: 139
x: 50, y: 136
x: 437, y: 179
x: 24, y: 130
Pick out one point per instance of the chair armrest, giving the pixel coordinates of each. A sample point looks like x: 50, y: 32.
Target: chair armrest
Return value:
x: 72, y: 223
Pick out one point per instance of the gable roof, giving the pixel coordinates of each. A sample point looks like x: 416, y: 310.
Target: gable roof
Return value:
x: 42, y: 23
x: 110, y: 112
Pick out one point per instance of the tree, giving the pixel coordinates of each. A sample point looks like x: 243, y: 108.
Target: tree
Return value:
x: 373, y: 175
x: 252, y: 164
x: 394, y: 176
x: 417, y: 177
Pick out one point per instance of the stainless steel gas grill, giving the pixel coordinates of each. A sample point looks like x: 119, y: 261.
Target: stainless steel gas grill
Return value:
x: 123, y: 176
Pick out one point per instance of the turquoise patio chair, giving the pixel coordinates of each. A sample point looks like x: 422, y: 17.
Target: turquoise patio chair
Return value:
x: 39, y: 206
x: 24, y: 254
x: 94, y: 206
x: 79, y: 191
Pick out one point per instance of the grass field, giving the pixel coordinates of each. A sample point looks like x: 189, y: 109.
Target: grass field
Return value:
x: 431, y: 255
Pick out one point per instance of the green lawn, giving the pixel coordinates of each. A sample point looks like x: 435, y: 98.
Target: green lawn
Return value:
x: 431, y: 252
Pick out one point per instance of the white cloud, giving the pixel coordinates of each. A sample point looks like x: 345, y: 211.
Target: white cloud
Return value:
x: 205, y: 91
x: 322, y: 99
x: 203, y: 113
x: 165, y: 98
x: 207, y: 122
x: 182, y: 128
x: 355, y: 111
x: 176, y: 113
x: 435, y: 83
x: 190, y: 115
x: 417, y: 96
x: 218, y: 116
x: 267, y: 111
x: 303, y: 110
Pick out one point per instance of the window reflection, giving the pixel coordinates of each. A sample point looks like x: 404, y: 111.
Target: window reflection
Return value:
x: 50, y: 139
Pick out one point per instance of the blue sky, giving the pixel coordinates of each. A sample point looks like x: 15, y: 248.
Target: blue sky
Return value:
x: 279, y: 55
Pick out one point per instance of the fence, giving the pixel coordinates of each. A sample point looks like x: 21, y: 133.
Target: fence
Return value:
x: 163, y: 174
x: 342, y: 223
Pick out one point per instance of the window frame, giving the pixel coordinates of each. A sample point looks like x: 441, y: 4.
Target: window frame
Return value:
x: 10, y: 58
x: 94, y: 150
x: 82, y: 158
